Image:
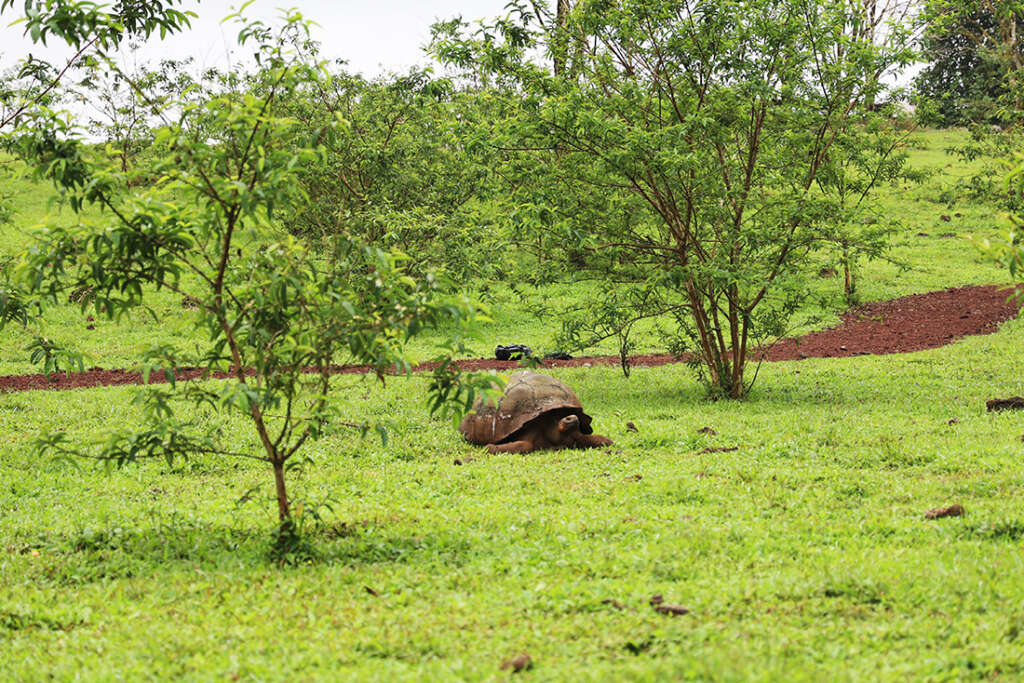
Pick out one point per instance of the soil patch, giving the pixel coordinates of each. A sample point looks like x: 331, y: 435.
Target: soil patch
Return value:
x: 911, y: 323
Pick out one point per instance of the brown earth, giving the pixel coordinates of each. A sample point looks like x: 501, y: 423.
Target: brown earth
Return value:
x: 911, y: 323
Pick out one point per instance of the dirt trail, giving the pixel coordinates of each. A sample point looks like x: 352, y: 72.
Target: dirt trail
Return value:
x: 912, y: 323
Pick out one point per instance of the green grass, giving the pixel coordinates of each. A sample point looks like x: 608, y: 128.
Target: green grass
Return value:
x: 803, y: 554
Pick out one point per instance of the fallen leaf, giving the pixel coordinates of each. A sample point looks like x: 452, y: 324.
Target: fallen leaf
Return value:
x: 517, y: 664
x: 951, y: 511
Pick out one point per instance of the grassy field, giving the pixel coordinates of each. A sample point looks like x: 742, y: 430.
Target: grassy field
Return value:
x: 803, y: 554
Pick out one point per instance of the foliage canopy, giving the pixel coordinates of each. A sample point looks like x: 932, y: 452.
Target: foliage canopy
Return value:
x: 686, y: 154
x: 975, y: 60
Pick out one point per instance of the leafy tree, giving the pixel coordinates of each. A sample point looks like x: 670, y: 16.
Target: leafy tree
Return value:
x: 686, y: 157
x: 976, y: 78
x: 861, y: 160
x: 124, y: 99
x: 90, y: 29
x: 1010, y: 252
x: 973, y: 54
x: 400, y: 178
x: 276, y: 315
x: 29, y: 95
x: 964, y: 81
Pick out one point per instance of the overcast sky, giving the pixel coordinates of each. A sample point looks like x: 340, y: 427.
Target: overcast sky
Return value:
x: 375, y: 36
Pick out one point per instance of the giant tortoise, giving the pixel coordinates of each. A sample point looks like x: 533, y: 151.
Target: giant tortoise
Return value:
x: 535, y: 412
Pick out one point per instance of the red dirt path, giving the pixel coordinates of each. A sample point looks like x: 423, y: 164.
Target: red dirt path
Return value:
x: 912, y: 323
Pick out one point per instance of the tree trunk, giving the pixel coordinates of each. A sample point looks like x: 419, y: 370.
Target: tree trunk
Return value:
x: 561, y: 41
x: 283, y: 508
x: 1015, y: 58
x: 870, y: 22
x: 849, y: 281
x: 736, y: 390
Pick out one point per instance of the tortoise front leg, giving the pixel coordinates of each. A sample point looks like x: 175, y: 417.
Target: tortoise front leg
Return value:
x: 511, y: 447
x: 592, y: 441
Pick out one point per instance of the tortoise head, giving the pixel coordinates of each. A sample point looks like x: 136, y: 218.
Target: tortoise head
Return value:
x: 563, y: 432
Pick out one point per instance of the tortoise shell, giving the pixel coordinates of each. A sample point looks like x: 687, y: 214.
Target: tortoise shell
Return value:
x: 527, y: 397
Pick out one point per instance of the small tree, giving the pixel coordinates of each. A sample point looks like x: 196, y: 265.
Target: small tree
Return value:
x: 1009, y: 253
x: 858, y: 164
x: 88, y: 28
x: 30, y: 93
x: 123, y: 101
x: 277, y: 315
x: 685, y: 157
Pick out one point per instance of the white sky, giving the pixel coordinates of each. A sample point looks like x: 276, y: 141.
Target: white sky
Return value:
x: 374, y: 36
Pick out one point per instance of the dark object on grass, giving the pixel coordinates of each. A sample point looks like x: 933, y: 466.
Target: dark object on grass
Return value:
x: 672, y: 610
x: 630, y: 427
x: 517, y: 664
x: 657, y: 599
x: 1012, y: 403
x: 557, y: 355
x: 707, y: 430
x: 464, y: 461
x: 951, y: 511
x: 718, y: 449
x: 512, y: 352
x: 953, y: 421
x: 535, y: 412
x: 614, y: 603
